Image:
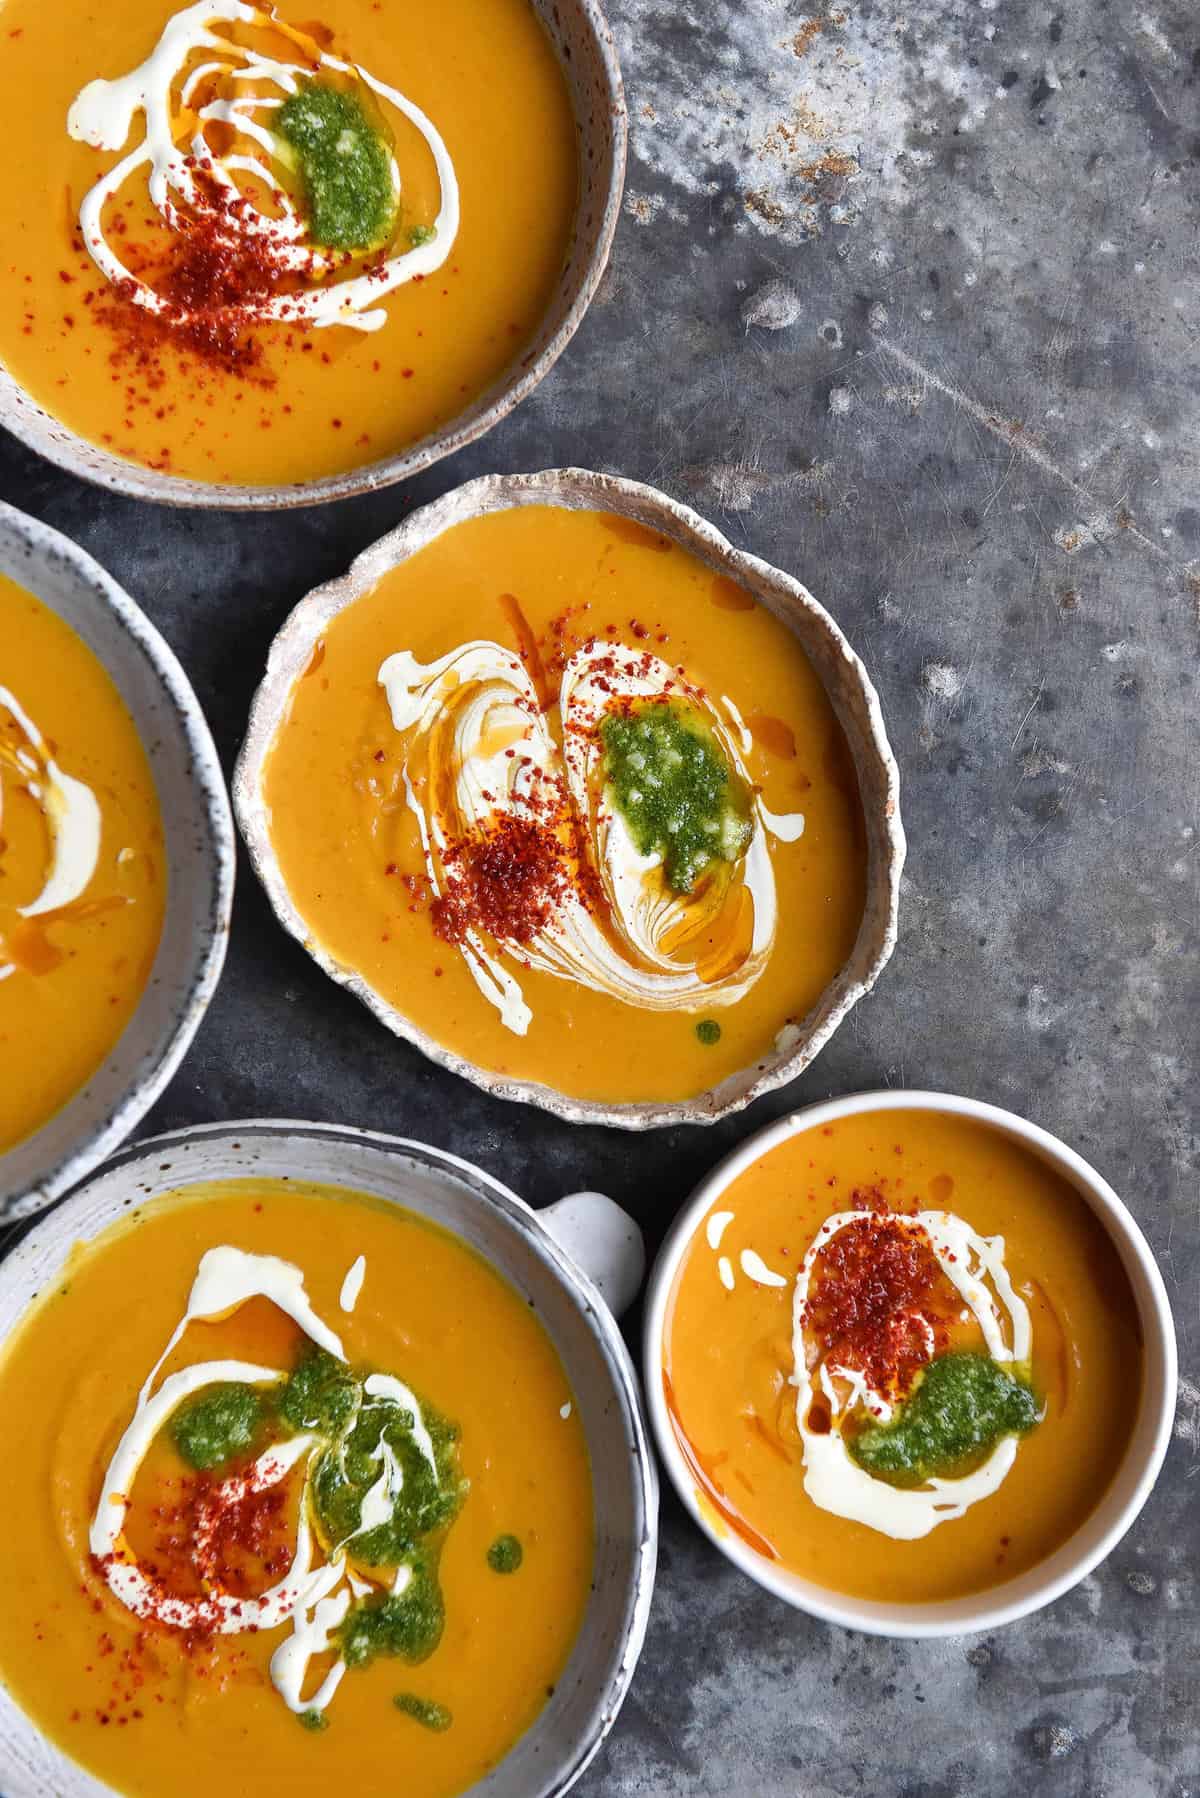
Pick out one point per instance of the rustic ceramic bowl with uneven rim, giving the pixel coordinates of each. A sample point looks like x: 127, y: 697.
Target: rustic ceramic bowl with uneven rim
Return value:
x: 584, y: 43
x: 576, y: 1262
x: 841, y: 672
x: 1118, y: 1507
x: 199, y: 843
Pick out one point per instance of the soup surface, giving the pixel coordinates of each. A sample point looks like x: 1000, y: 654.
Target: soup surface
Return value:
x: 354, y: 1469
x: 902, y: 1357
x: 577, y: 807
x: 82, y: 870
x: 268, y: 246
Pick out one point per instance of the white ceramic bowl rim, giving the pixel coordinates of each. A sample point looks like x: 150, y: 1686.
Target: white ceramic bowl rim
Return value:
x: 165, y: 1055
x: 1065, y: 1568
x: 587, y: 1299
x: 36, y: 428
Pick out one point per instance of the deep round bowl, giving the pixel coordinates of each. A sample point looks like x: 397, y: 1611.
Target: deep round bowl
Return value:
x: 544, y: 1255
x: 198, y: 839
x: 1117, y: 1508
x: 583, y: 42
x: 842, y: 674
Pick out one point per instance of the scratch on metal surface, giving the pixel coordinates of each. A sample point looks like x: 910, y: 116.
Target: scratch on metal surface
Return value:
x: 1022, y: 444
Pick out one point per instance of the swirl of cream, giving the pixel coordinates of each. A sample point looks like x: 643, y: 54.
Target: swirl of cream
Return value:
x: 71, y: 811
x: 103, y: 113
x: 314, y: 1597
x: 480, y: 749
x: 975, y: 1267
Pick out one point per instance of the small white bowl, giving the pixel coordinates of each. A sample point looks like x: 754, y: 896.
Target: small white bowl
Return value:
x: 1120, y: 1505
x: 198, y: 838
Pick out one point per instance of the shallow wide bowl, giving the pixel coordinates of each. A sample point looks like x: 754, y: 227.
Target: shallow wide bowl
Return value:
x: 1119, y: 1506
x: 199, y: 842
x: 544, y: 1256
x: 842, y: 674
x: 587, y: 56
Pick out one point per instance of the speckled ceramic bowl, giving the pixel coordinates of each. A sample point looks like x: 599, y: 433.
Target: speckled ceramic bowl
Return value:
x: 572, y: 1262
x: 1117, y: 1508
x: 199, y: 843
x: 583, y: 40
x: 851, y: 693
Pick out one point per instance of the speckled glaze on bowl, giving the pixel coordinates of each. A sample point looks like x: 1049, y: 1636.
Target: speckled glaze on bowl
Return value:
x: 1117, y: 1508
x: 587, y: 54
x: 572, y: 1262
x: 199, y: 844
x: 850, y: 691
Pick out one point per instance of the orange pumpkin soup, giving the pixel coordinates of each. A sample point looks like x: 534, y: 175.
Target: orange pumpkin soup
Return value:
x: 82, y: 870
x: 281, y: 1511
x: 577, y: 808
x: 901, y: 1357
x: 266, y: 246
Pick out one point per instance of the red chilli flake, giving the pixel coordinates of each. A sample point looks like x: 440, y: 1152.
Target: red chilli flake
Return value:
x: 508, y: 882
x: 212, y: 279
x: 877, y: 1281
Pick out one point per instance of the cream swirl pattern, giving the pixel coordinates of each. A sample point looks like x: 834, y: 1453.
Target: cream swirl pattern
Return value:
x: 316, y: 1593
x: 187, y: 176
x: 69, y: 807
x: 975, y: 1267
x: 479, y: 749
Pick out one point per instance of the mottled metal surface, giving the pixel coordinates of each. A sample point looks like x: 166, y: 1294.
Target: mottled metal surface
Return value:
x: 965, y: 412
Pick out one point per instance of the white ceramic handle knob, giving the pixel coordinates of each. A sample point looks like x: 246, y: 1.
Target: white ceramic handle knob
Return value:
x: 604, y: 1241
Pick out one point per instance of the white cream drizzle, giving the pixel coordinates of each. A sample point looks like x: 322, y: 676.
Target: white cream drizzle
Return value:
x: 715, y: 1228
x: 72, y: 814
x: 476, y: 710
x: 313, y: 1598
x: 352, y: 1285
x: 831, y: 1478
x: 756, y: 1269
x: 103, y: 114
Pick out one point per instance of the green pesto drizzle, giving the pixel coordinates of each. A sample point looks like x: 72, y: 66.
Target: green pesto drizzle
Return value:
x: 314, y: 1721
x: 218, y: 1425
x: 671, y: 782
x: 426, y: 1711
x: 505, y: 1555
x: 961, y: 1407
x: 344, y: 163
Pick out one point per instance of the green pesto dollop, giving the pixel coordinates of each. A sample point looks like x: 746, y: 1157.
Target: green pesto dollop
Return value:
x: 673, y: 786
x: 426, y: 1711
x: 344, y: 164
x: 315, y: 1721
x: 407, y: 1625
x: 505, y: 1555
x: 219, y: 1424
x: 963, y: 1404
x: 708, y: 1031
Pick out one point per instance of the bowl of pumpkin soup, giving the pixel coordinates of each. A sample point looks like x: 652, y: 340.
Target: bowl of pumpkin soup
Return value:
x: 910, y: 1363
x: 116, y: 863
x: 358, y: 1492
x: 592, y: 807
x: 296, y: 253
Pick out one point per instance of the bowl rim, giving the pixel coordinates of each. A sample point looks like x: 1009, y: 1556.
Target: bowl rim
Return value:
x: 601, y: 492
x: 523, y: 1218
x: 111, y: 598
x: 989, y: 1609
x: 91, y: 462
